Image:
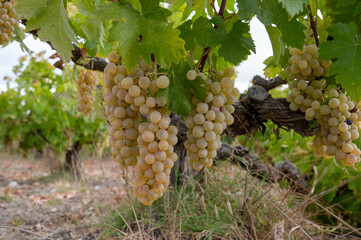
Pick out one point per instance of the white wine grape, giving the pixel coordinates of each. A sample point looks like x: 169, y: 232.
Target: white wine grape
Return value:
x: 86, y: 85
x: 147, y: 145
x: 337, y: 116
x: 8, y: 21
x: 209, y: 119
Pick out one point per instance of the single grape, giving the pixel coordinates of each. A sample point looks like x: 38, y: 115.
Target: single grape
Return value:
x: 162, y: 81
x: 228, y: 72
x: 348, y: 122
x: 347, y: 148
x: 191, y: 75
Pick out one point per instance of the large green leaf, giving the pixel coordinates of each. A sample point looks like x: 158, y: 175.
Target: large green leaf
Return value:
x: 179, y: 93
x: 26, y: 9
x: 55, y: 27
x: 187, y: 35
x: 140, y: 34
x: 198, y: 33
x: 247, y: 8
x: 236, y: 44
x: 92, y: 26
x: 271, y: 12
x: 293, y: 7
x: 201, y: 31
x: 343, y: 11
x: 275, y: 37
x: 345, y: 49
x: 199, y: 6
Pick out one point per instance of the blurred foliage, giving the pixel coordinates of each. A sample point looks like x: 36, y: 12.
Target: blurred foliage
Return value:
x: 42, y: 109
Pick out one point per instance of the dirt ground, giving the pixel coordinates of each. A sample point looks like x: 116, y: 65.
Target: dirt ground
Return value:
x: 35, y: 204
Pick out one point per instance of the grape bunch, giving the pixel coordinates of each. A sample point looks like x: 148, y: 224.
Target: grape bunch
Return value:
x: 305, y: 64
x: 340, y: 125
x: 8, y: 22
x: 210, y: 118
x: 157, y: 156
x: 86, y: 85
x: 148, y: 145
x: 338, y: 117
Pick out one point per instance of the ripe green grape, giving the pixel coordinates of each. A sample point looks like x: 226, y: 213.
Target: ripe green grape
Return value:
x: 191, y: 75
x: 209, y: 119
x: 299, y: 99
x: 163, y: 81
x: 8, y: 21
x: 338, y: 119
x: 228, y: 72
x: 86, y: 85
x: 302, y: 85
x: 302, y: 64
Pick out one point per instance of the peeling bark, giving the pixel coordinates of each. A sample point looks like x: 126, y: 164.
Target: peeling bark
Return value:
x: 258, y: 106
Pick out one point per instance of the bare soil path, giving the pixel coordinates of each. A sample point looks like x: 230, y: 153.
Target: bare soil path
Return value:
x: 35, y: 204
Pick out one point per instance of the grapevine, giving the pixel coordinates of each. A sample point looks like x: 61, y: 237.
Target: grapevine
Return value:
x: 146, y: 145
x: 169, y: 50
x: 8, y: 20
x: 86, y: 85
x: 210, y: 118
x: 337, y: 115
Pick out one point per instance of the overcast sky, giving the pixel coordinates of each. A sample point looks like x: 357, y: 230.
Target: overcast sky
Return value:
x: 252, y: 66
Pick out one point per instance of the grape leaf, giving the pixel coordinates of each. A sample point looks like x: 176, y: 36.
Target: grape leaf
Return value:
x: 201, y: 30
x: 346, y: 49
x: 275, y: 37
x: 293, y: 7
x: 247, y: 8
x: 343, y: 11
x: 292, y: 30
x: 187, y: 35
x: 218, y: 62
x: 139, y: 34
x: 135, y: 4
x: 343, y: 3
x: 198, y: 33
x: 55, y: 27
x: 272, y: 70
x: 199, y: 7
x: 92, y: 26
x: 26, y: 9
x: 91, y: 47
x: 115, y: 11
x: 235, y: 44
x: 178, y: 95
x: 271, y: 12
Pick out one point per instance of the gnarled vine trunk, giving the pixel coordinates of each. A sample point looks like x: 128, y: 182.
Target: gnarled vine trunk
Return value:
x: 71, y: 163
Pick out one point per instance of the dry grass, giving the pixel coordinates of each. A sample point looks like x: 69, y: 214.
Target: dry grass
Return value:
x: 222, y: 203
